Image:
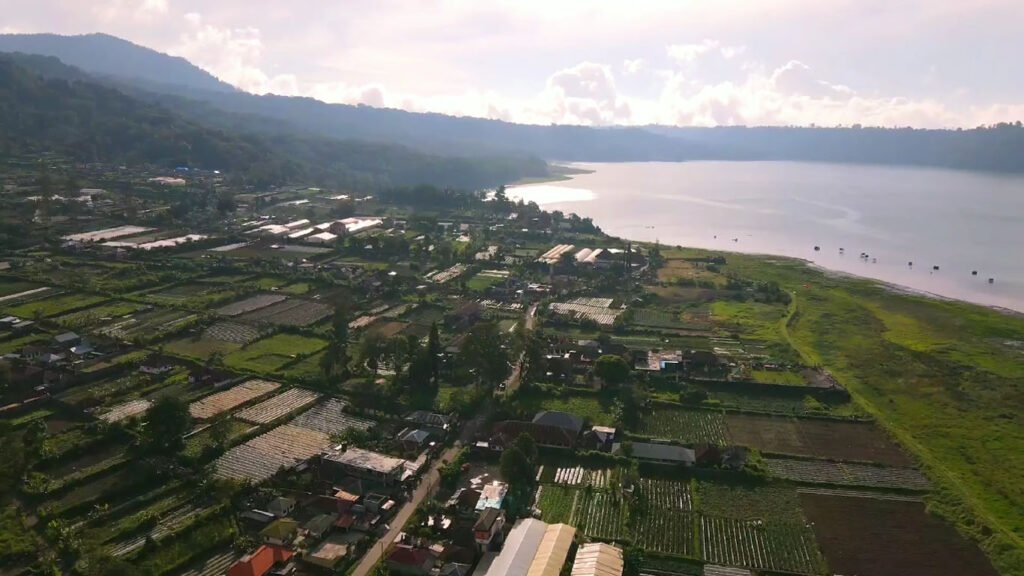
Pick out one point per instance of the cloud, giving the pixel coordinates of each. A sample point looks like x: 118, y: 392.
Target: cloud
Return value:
x: 689, y: 53
x: 634, y: 66
x: 585, y: 94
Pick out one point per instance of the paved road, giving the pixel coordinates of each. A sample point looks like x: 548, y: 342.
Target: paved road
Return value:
x: 427, y: 484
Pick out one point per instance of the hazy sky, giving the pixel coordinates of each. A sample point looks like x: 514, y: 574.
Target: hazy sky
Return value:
x: 684, y: 62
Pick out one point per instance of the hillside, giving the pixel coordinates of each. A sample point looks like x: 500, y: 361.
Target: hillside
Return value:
x: 53, y: 108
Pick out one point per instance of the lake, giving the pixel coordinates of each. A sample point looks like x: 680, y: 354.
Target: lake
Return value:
x: 959, y: 221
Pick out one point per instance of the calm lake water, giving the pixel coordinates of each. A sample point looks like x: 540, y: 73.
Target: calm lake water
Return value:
x: 959, y: 221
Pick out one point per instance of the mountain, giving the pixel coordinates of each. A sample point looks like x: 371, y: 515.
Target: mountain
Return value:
x: 106, y: 55
x: 46, y: 106
x: 175, y: 84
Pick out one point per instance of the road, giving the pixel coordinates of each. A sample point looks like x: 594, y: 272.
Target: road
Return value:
x: 430, y: 480
x: 512, y: 383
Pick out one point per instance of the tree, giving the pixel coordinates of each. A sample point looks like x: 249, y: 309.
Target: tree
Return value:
x: 611, y: 369
x: 434, y: 351
x: 632, y: 561
x: 33, y: 438
x: 220, y: 432
x: 483, y: 351
x: 370, y: 350
x: 334, y: 362
x: 516, y: 468
x: 528, y: 447
x: 166, y: 421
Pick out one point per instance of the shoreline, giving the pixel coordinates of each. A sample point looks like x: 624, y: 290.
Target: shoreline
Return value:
x: 891, y: 286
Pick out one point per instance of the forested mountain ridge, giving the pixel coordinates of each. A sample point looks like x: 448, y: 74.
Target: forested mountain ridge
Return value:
x: 48, y: 107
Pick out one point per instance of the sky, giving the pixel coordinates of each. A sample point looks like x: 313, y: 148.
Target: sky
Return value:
x: 922, y: 63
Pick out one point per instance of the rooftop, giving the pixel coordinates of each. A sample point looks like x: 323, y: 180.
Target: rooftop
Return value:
x: 367, y: 460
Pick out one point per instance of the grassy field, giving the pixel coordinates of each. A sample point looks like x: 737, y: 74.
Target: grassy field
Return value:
x: 52, y: 306
x: 269, y: 354
x: 783, y: 377
x: 589, y: 407
x: 201, y: 348
x: 945, y: 378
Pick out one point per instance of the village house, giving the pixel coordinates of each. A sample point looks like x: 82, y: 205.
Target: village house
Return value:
x: 656, y: 453
x: 364, y: 464
x: 410, y: 561
x: 505, y: 433
x: 280, y: 532
x: 262, y: 561
x: 487, y: 527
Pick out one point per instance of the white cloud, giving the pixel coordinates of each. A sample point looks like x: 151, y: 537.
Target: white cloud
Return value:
x: 585, y: 94
x: 634, y: 66
x: 687, y: 53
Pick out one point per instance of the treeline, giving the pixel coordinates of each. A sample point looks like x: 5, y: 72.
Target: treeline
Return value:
x: 46, y: 107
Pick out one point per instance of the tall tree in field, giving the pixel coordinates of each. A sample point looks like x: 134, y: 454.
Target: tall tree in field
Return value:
x: 434, y: 351
x: 334, y: 362
x: 612, y: 369
x: 166, y: 421
x: 483, y: 351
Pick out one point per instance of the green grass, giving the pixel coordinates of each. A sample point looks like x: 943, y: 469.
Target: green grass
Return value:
x: 10, y: 286
x: 751, y: 320
x: 749, y: 501
x: 16, y: 344
x: 944, y: 377
x: 594, y: 409
x: 55, y: 305
x: 269, y: 354
x: 480, y: 282
x: 306, y: 369
x: 298, y: 289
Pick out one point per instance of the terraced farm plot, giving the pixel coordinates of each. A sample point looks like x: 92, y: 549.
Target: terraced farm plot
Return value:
x: 857, y: 441
x: 236, y: 396
x: 290, y: 312
x: 126, y: 410
x: 758, y: 544
x: 250, y: 304
x: 263, y: 456
x: 97, y: 315
x: 193, y: 294
x: 846, y: 474
x: 750, y: 501
x: 684, y: 425
x: 329, y: 417
x: 577, y: 476
x: 270, y: 354
x: 10, y: 286
x: 201, y: 348
x: 232, y: 332
x: 150, y: 323
x: 602, y: 515
x: 651, y: 318
x: 668, y: 532
x: 170, y: 522
x: 105, y: 391
x: 215, y: 565
x: 54, y: 305
x: 278, y: 406
x: 889, y: 538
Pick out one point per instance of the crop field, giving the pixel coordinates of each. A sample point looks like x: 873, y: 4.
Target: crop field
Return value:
x: 557, y: 503
x: 16, y: 344
x: 664, y: 519
x: 846, y: 474
x: 100, y: 393
x: 123, y: 411
x: 889, y: 538
x: 97, y: 315
x: 768, y: 545
x: 577, y: 476
x: 223, y: 401
x: 250, y: 304
x: 426, y: 315
x: 749, y: 501
x: 819, y: 438
x: 329, y: 417
x: 290, y: 312
x: 388, y: 329
x: 215, y: 565
x: 781, y: 377
x: 602, y: 515
x: 9, y: 286
x: 200, y: 348
x: 684, y: 425
x: 191, y: 295
x: 226, y: 278
x: 651, y: 318
x: 278, y: 406
x: 232, y: 332
x: 269, y: 354
x: 261, y: 457
x: 306, y: 370
x: 782, y: 404
x: 146, y: 323
x: 54, y: 305
x: 196, y: 443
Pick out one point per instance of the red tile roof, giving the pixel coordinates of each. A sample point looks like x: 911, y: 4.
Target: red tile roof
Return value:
x: 410, y: 556
x: 261, y: 561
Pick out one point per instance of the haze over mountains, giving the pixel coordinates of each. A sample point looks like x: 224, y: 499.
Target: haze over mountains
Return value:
x: 193, y: 95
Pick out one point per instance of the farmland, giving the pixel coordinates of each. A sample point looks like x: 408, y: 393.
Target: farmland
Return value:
x: 54, y: 305
x: 224, y: 401
x: 232, y: 332
x: 330, y: 418
x: 278, y: 406
x: 290, y: 312
x: 146, y: 324
x: 889, y: 538
x: 262, y: 457
x: 846, y: 474
x: 267, y: 356
x: 250, y: 304
x: 190, y: 295
x: 813, y: 437
x: 96, y: 315
x: 200, y: 347
x: 684, y: 425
